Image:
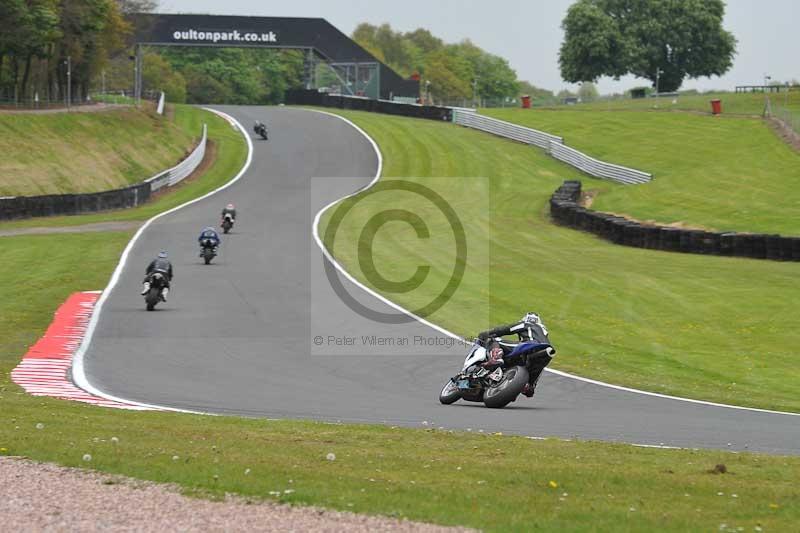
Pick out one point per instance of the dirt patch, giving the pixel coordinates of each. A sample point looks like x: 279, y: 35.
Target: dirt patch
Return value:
x: 83, y: 228
x: 587, y: 198
x: 44, y: 497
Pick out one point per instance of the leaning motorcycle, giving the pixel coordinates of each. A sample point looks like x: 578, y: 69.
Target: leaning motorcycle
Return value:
x: 227, y: 223
x: 157, y: 284
x: 496, y: 386
x: 208, y: 251
x: 261, y: 130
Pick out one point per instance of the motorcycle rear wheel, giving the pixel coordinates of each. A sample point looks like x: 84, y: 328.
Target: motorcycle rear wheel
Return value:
x: 450, y: 393
x: 506, y: 391
x: 152, y: 298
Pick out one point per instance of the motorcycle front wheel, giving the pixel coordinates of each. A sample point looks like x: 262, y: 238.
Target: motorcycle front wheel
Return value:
x: 450, y: 393
x: 507, y: 389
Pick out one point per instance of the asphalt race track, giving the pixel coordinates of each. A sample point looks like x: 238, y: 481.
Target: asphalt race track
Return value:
x: 236, y: 337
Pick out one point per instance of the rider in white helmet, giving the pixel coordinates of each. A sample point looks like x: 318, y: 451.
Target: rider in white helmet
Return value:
x: 229, y: 209
x: 529, y: 328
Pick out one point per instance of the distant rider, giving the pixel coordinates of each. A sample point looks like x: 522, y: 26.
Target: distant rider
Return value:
x: 229, y: 209
x: 260, y: 128
x: 209, y: 238
x: 162, y: 265
x: 529, y: 328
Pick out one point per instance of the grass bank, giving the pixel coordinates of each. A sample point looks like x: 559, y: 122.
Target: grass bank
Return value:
x: 58, y: 153
x: 230, y: 152
x: 726, y: 174
x: 713, y: 328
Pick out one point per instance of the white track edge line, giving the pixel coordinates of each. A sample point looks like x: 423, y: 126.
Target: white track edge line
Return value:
x: 452, y: 335
x: 79, y: 376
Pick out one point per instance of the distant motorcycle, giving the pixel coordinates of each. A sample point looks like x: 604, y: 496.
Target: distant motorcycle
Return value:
x: 495, y: 387
x: 227, y: 223
x: 157, y: 283
x: 261, y: 130
x: 208, y: 251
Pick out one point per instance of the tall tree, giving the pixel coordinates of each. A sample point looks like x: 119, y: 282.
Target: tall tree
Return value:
x: 664, y: 40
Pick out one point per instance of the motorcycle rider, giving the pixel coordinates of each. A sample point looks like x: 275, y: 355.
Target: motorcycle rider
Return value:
x: 260, y: 128
x: 208, y: 238
x: 529, y: 328
x: 229, y: 209
x: 162, y: 265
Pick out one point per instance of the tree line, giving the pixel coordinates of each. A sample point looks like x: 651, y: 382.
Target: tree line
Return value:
x: 46, y: 44
x: 455, y: 71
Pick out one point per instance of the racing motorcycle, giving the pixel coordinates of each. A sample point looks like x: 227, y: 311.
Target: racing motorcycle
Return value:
x: 208, y: 251
x: 227, y: 223
x: 261, y: 129
x: 157, y: 283
x: 495, y: 386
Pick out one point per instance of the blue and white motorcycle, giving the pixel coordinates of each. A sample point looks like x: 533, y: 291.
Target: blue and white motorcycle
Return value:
x: 495, y: 386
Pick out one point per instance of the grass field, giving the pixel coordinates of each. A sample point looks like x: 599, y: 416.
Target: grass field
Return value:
x: 717, y: 173
x: 752, y: 104
x: 86, y: 152
x: 491, y: 482
x: 720, y: 329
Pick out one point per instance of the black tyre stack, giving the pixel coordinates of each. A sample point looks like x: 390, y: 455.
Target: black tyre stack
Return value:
x: 566, y: 210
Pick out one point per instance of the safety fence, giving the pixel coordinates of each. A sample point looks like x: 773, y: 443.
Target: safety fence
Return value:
x: 316, y: 98
x: 505, y: 129
x: 176, y: 174
x: 16, y: 207
x: 566, y: 210
x: 553, y: 144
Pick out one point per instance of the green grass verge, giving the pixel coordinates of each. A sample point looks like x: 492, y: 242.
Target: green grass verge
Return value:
x: 752, y: 104
x: 713, y: 328
x: 58, y: 153
x: 491, y: 482
x: 230, y: 155
x: 718, y: 173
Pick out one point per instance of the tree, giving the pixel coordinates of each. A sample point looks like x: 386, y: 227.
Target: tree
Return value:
x: 526, y: 87
x: 668, y: 40
x: 451, y: 68
x: 137, y: 6
x: 158, y: 74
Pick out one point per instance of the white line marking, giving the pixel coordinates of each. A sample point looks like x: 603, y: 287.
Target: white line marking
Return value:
x: 440, y: 329
x: 78, y: 369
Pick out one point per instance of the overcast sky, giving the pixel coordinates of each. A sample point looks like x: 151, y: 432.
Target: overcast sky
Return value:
x: 528, y: 32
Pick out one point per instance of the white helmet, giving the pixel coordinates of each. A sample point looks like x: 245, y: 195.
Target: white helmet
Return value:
x: 532, y: 318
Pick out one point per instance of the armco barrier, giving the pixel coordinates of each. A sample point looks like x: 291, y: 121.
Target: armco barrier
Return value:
x: 553, y: 144
x: 505, y: 129
x: 566, y: 210
x: 16, y: 207
x: 597, y: 168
